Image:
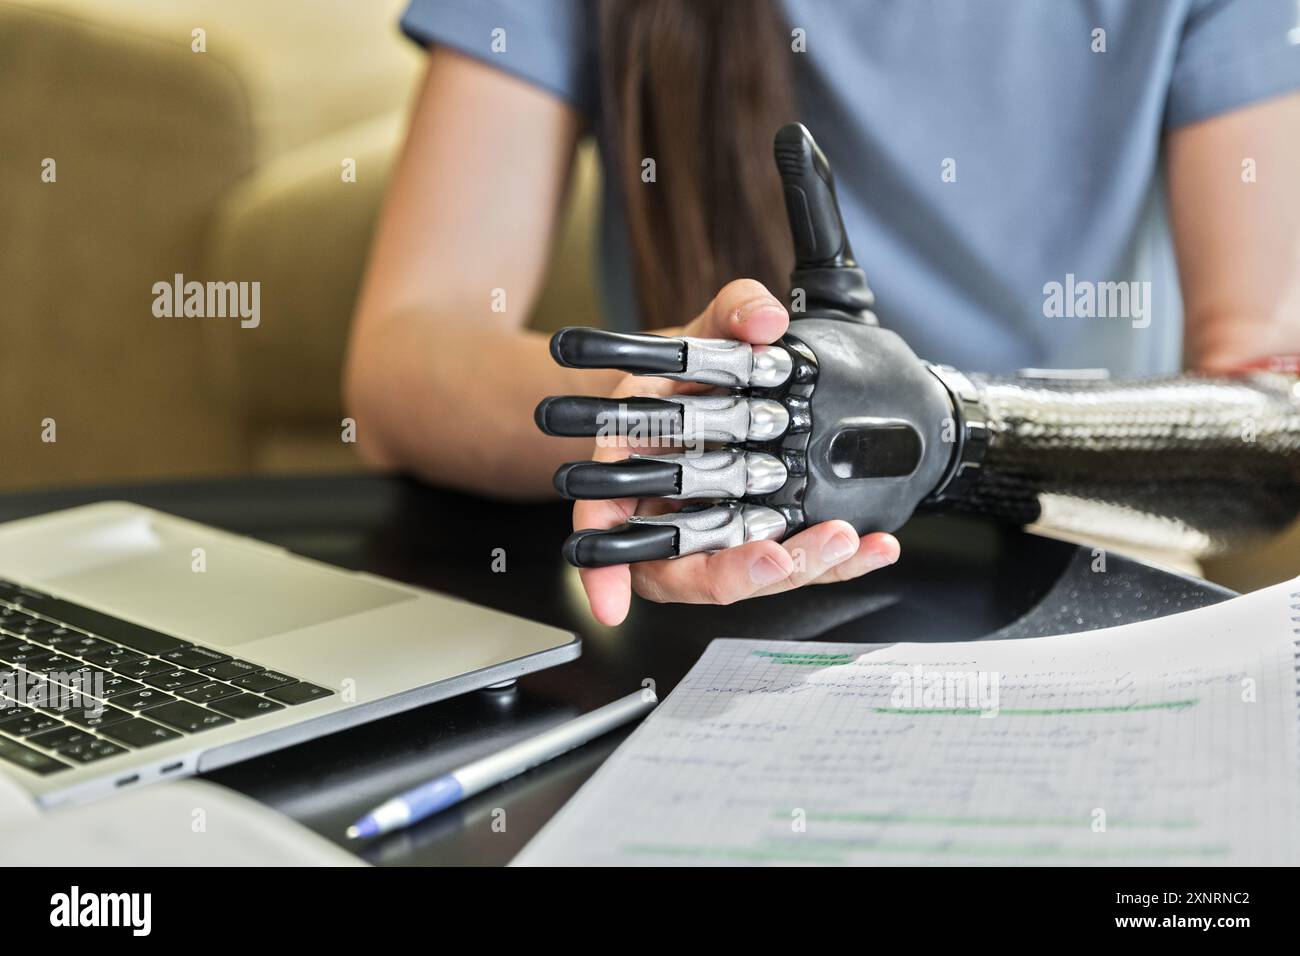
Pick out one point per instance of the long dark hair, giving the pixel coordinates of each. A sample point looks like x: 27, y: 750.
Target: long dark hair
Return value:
x: 699, y: 86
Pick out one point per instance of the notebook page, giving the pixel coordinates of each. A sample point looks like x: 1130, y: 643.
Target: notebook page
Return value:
x: 1171, y: 741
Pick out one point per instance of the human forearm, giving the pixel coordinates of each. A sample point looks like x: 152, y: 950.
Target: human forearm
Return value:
x: 1235, y: 210
x: 453, y: 402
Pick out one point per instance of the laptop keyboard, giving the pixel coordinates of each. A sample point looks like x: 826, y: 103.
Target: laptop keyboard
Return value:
x: 137, y: 687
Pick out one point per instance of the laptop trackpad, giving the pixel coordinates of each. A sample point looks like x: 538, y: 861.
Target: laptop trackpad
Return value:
x: 146, y: 568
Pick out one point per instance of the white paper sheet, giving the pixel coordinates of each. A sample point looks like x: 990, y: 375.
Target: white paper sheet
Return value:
x: 1172, y: 741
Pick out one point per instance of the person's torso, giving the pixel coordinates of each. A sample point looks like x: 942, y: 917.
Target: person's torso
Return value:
x: 997, y: 165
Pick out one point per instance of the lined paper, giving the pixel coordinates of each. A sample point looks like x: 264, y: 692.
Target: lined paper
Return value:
x: 1171, y: 741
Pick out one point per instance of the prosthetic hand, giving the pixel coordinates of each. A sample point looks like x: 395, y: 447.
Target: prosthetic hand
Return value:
x: 841, y: 420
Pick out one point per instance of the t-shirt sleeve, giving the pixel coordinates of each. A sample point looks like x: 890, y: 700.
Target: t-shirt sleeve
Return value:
x: 1234, y: 53
x: 547, y: 44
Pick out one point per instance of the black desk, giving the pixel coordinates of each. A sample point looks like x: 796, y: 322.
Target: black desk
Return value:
x: 959, y: 579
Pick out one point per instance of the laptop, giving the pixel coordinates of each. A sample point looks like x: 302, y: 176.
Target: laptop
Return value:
x: 136, y: 646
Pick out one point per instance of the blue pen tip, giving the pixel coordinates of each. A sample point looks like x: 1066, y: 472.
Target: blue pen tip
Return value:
x: 365, y: 827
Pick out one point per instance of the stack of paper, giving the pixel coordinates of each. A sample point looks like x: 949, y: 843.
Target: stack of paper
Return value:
x: 1172, y: 741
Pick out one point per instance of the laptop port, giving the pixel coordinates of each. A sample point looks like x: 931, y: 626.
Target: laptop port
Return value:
x: 125, y: 781
x: 173, y: 766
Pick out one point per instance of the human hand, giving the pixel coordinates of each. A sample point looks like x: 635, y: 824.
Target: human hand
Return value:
x: 743, y: 312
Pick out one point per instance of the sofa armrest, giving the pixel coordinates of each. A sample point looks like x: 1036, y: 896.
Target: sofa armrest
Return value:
x: 302, y: 230
x: 304, y: 233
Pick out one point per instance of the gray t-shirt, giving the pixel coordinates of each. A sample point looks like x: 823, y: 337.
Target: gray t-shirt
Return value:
x: 997, y: 162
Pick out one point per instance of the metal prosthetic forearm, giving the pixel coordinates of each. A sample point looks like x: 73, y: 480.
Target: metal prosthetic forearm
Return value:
x: 1195, y: 463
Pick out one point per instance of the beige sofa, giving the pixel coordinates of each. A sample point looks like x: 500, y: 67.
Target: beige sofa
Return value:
x: 222, y: 165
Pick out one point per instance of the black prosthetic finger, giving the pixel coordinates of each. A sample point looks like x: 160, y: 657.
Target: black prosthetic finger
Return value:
x: 577, y: 347
x: 724, y: 473
x: 820, y: 239
x: 580, y: 416
x: 626, y: 544
x: 824, y: 268
x: 689, y: 531
x: 631, y: 478
x: 721, y: 362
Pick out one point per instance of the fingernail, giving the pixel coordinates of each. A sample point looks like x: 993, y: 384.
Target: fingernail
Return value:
x: 758, y: 306
x: 880, y: 559
x: 765, y: 571
x: 838, y: 548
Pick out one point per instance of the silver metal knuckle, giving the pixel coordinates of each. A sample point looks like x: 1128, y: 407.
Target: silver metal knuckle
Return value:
x: 722, y: 526
x: 771, y: 366
x: 714, y: 474
x: 727, y: 473
x: 762, y: 524
x: 714, y: 417
x: 731, y: 418
x: 764, y: 473
x: 710, y: 529
x: 717, y: 362
x: 768, y: 419
x: 732, y: 364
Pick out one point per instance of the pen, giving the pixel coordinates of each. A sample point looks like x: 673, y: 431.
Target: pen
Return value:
x: 451, y: 788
